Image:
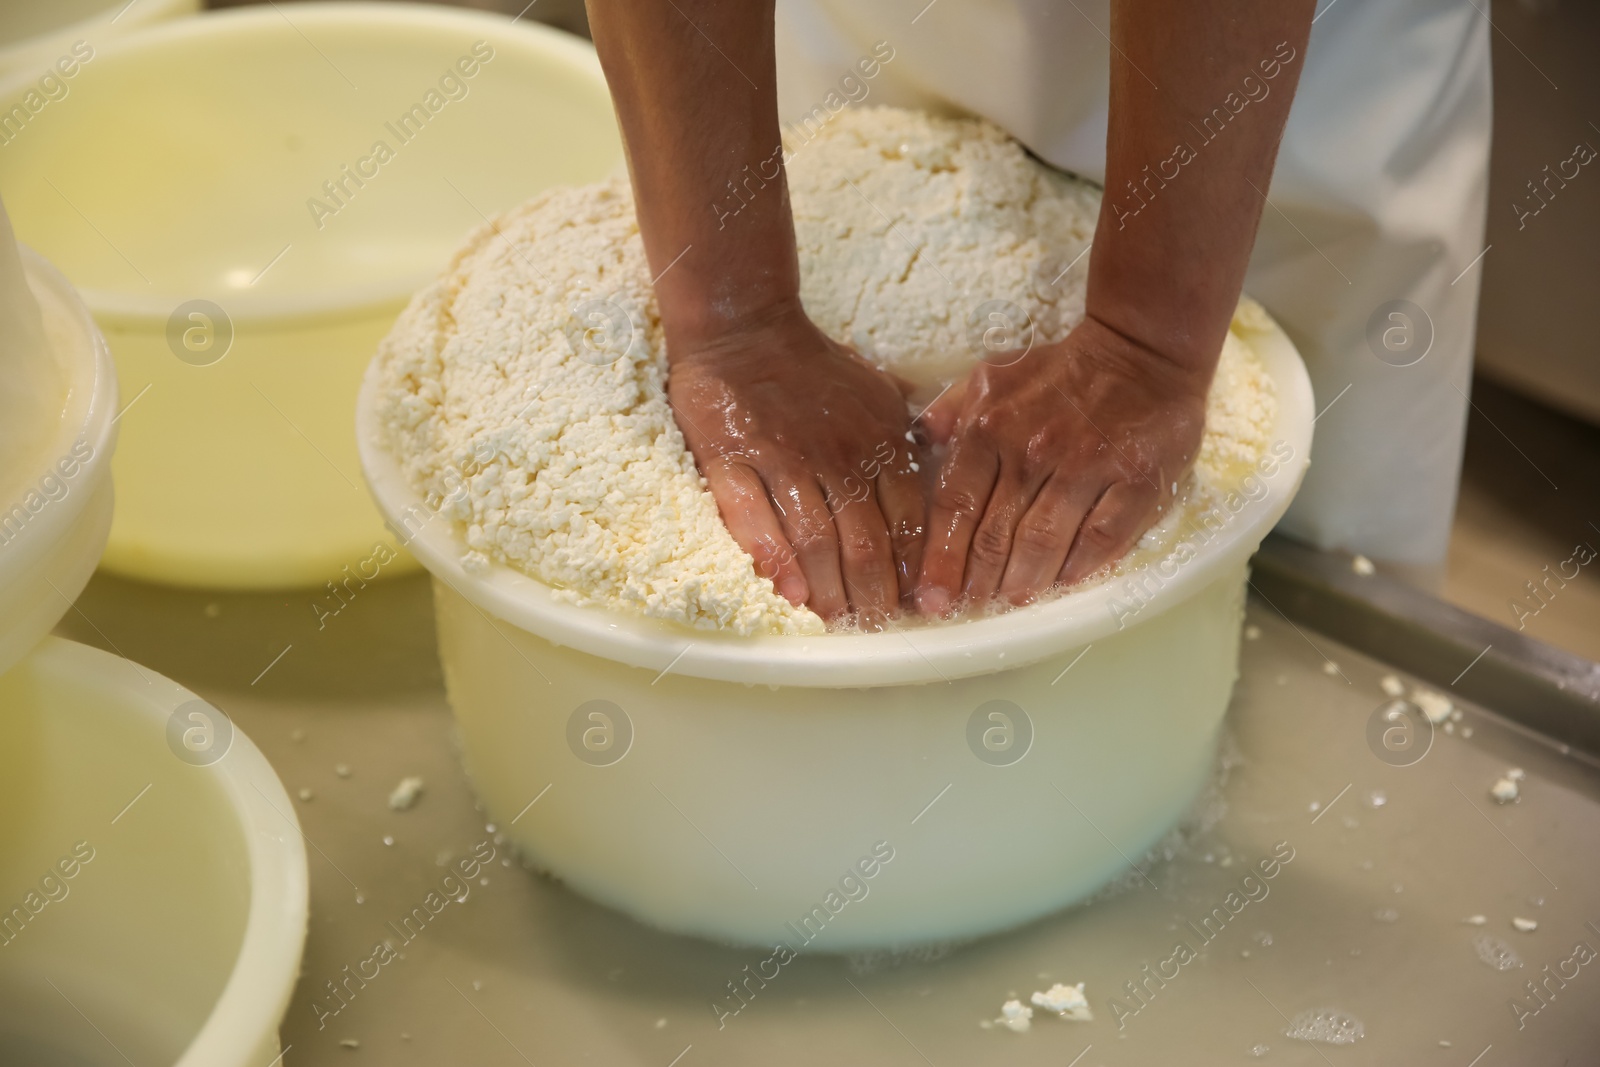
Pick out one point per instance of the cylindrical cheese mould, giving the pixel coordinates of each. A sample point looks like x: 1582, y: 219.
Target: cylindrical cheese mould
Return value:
x: 53, y: 530
x: 152, y: 874
x: 850, y: 791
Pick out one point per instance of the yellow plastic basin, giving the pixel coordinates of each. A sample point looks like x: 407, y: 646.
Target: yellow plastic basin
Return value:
x: 244, y: 243
x: 35, y: 36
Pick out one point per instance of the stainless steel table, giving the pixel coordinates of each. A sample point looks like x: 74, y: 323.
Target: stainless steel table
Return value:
x: 1365, y: 920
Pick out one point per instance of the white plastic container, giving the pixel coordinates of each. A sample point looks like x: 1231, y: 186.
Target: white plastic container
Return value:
x: 726, y: 786
x: 152, y: 876
x: 54, y: 527
x: 245, y: 243
x: 162, y: 896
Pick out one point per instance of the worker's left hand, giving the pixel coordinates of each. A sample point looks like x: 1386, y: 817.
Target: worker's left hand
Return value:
x: 1058, y: 463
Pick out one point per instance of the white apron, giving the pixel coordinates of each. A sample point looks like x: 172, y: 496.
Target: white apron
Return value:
x: 1379, y: 196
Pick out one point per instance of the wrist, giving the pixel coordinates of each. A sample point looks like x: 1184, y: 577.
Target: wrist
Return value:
x: 1174, y: 369
x: 698, y: 327
x: 723, y: 281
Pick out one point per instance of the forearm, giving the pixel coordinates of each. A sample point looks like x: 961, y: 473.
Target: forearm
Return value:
x: 695, y: 91
x: 1200, y: 92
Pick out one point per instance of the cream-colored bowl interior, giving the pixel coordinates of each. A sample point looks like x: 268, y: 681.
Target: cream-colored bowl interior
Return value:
x: 729, y: 784
x: 34, y: 34
x: 152, y: 909
x: 237, y: 465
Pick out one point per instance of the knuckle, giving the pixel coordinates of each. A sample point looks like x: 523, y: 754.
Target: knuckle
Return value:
x: 861, y: 546
x: 957, y: 498
x: 987, y: 424
x: 812, y: 535
x: 1042, y: 533
x: 1099, y: 535
x: 1139, y: 462
x: 1044, y: 450
x: 905, y: 536
x: 1090, y: 448
x: 991, y: 545
x: 770, y: 560
x: 772, y: 550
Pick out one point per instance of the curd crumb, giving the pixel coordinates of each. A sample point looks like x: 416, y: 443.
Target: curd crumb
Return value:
x: 1015, y: 1016
x: 1505, y: 790
x: 1329, y: 667
x: 1436, y: 706
x: 1066, y: 1001
x: 405, y: 794
x: 1392, y: 686
x: 1475, y: 920
x: 1363, y: 566
x: 1527, y: 926
x: 553, y: 449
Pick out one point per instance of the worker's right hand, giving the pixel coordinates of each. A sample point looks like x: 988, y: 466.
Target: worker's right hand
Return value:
x: 1058, y: 463
x: 809, y: 452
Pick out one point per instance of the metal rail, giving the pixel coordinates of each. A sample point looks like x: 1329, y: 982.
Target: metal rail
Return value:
x: 1553, y: 692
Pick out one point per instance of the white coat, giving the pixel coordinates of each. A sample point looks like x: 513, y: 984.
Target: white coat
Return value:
x: 1379, y: 197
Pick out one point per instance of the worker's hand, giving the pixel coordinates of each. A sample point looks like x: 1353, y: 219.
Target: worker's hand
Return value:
x: 807, y: 450
x: 1058, y: 463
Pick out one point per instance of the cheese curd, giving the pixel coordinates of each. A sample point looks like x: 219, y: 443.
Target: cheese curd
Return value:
x: 523, y: 392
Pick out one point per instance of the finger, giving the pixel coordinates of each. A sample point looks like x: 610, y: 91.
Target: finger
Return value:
x: 866, y: 559
x: 991, y: 541
x: 1039, y: 547
x: 1123, y: 512
x: 803, y: 514
x: 939, y: 418
x: 747, y: 511
x: 959, y: 498
x: 906, y: 513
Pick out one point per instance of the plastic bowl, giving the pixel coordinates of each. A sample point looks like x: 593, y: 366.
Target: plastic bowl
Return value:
x: 33, y: 36
x: 242, y: 297
x: 152, y: 905
x: 53, y: 529
x: 728, y: 787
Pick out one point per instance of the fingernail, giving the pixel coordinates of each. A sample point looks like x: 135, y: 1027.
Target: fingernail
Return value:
x: 794, y: 590
x: 933, y: 601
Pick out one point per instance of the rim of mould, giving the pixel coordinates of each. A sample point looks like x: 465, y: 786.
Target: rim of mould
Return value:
x: 925, y: 653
